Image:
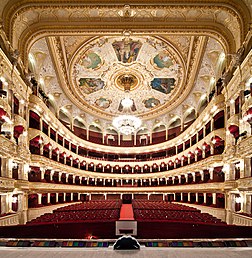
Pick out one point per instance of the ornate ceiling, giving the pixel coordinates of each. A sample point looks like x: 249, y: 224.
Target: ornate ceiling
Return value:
x: 166, y: 57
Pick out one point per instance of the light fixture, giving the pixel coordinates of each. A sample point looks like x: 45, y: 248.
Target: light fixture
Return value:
x: 14, y: 199
x: 238, y: 199
x: 127, y: 124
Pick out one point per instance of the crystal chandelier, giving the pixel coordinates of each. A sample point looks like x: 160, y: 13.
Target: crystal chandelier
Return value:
x: 127, y: 124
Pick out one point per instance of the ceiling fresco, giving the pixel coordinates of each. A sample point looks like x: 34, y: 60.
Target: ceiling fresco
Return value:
x: 153, y: 72
x: 147, y: 68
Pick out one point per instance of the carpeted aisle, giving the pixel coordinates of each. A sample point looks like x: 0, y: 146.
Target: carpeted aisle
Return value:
x: 126, y: 212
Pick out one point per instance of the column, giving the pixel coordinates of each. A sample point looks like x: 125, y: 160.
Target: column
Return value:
x: 20, y: 170
x: 39, y: 198
x: 243, y: 203
x: 9, y: 202
x: 197, y: 197
x: 23, y: 207
x: 186, y: 178
x: 214, y: 198
x: 205, y: 195
x: 57, y: 197
x: 64, y: 197
x: 41, y: 148
x: 119, y: 139
x: 67, y: 176
x: 212, y: 148
x: 212, y: 125
x: 4, y: 203
x: 60, y: 174
x: 193, y: 176
x: 135, y: 139
x: 211, y: 173
x: 179, y: 179
x: 6, y: 167
x: 71, y: 197
x: 48, y: 197
x: 51, y: 175
x: 202, y: 175
x: 181, y: 197
x: 247, y: 167
x: 231, y: 171
x: 189, y: 197
x: 247, y: 206
x: 230, y: 206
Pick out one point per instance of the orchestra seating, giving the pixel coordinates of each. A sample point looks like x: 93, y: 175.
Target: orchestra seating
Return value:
x: 155, y: 220
x: 164, y: 211
x: 87, y: 211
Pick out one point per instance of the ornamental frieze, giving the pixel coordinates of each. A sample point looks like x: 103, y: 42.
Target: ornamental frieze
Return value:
x: 23, y: 17
x: 244, y: 184
x: 6, y: 184
x: 7, y: 147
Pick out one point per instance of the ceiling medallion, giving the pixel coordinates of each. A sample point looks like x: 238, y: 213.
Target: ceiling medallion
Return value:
x: 147, y: 67
x: 127, y: 81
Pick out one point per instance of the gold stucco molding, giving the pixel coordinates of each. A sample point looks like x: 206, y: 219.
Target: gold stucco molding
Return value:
x: 24, y: 19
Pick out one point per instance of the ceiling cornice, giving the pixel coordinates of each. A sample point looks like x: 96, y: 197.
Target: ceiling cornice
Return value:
x: 38, y: 26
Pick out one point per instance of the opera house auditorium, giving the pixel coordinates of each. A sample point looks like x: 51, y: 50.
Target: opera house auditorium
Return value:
x: 125, y: 119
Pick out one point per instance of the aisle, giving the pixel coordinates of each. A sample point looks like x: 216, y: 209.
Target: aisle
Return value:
x: 126, y: 212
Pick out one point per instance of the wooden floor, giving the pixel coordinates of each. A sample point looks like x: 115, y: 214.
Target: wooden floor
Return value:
x: 44, y: 252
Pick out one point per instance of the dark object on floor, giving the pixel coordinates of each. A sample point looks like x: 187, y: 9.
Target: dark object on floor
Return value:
x: 126, y: 243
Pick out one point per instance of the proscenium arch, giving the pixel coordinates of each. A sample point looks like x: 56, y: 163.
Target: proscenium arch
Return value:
x: 15, y: 8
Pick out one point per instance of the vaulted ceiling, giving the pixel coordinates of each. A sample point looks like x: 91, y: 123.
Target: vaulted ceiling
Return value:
x: 166, y: 56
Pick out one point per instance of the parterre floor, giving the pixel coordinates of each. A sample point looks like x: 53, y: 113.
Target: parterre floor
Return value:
x: 155, y: 252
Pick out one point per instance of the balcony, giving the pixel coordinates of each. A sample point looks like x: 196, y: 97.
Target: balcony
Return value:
x: 4, y: 104
x: 7, y: 184
x: 9, y: 220
x: 7, y: 147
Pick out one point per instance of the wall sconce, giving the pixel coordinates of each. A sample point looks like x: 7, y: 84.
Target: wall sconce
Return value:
x: 238, y: 199
x: 14, y: 199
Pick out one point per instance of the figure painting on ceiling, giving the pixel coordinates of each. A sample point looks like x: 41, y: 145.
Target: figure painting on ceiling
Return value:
x: 151, y: 102
x: 90, y: 60
x: 90, y: 85
x: 164, y: 85
x: 162, y: 60
x: 102, y: 103
x: 127, y: 50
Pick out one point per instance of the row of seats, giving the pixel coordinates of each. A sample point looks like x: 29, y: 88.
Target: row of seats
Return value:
x: 161, y: 205
x: 164, y: 211
x: 88, y: 215
x: 97, y: 211
x: 97, y: 205
x: 147, y: 215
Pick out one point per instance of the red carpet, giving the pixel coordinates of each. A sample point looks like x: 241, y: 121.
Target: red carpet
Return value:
x: 126, y: 212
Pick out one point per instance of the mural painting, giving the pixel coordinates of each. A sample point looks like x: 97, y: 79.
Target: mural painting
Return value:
x: 102, y: 103
x: 127, y: 51
x: 162, y: 60
x: 90, y: 60
x: 151, y: 102
x: 90, y: 85
x: 164, y: 85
